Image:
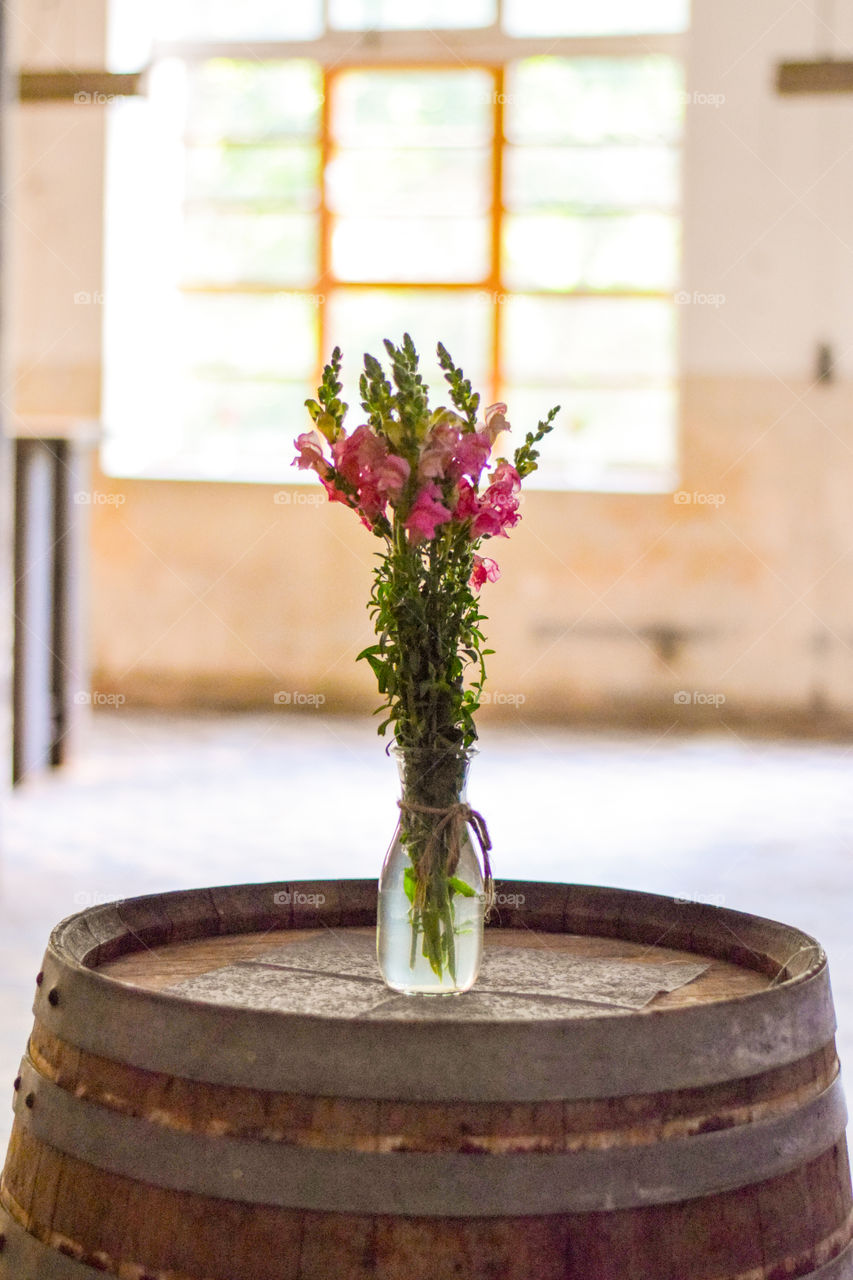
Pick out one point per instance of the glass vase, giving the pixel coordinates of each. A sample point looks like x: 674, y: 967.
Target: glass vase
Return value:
x: 433, y: 889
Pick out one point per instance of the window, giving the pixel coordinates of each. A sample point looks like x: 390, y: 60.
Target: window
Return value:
x: 504, y: 178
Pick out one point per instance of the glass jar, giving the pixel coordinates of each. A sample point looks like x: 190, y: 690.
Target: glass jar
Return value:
x: 433, y: 889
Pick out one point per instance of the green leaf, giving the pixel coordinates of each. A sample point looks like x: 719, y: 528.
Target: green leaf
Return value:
x: 459, y: 886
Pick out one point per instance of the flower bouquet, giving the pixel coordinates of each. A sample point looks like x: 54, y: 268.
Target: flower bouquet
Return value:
x: 423, y: 483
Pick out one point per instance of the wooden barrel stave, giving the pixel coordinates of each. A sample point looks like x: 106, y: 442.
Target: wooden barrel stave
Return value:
x: 435, y: 1184
x: 796, y: 1223
x: 367, y: 1124
x: 181, y: 1236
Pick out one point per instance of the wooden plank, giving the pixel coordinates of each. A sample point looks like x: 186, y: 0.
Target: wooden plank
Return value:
x: 68, y: 86
x: 19, y: 1175
x: 166, y: 965
x: 341, y: 1245
x: 825, y: 75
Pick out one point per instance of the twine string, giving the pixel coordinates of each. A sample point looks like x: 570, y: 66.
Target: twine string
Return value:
x: 453, y: 818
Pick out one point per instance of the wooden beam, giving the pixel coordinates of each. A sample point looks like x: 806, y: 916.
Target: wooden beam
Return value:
x: 827, y: 75
x: 98, y: 87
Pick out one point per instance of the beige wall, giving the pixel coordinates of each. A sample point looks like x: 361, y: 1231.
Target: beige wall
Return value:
x: 609, y: 604
x: 226, y: 595
x: 54, y: 205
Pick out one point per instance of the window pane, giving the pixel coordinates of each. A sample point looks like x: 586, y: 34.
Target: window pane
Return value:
x: 411, y: 180
x: 565, y: 341
x: 248, y: 20
x: 591, y: 177
x: 254, y: 100
x: 594, y: 100
x: 388, y: 14
x: 412, y: 109
x: 553, y: 252
x: 359, y: 319
x: 130, y: 32
x: 598, y: 431
x: 437, y: 249
x: 604, y: 17
x: 250, y: 335
x: 229, y: 172
x: 229, y: 248
x: 242, y: 430
x: 403, y: 142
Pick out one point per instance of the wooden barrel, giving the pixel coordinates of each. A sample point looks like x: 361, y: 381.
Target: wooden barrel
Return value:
x: 219, y: 1087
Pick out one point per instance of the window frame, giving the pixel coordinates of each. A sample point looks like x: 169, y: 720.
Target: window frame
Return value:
x: 487, y: 49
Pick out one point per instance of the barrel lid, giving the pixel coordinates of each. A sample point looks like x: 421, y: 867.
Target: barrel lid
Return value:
x: 440, y: 1049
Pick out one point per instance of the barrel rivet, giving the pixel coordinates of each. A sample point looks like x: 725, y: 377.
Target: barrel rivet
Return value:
x: 39, y: 979
x: 30, y: 1101
x: 53, y: 996
x: 17, y: 1084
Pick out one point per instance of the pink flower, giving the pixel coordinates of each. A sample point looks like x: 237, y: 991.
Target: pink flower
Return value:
x: 505, y: 474
x: 426, y: 514
x: 496, y: 421
x: 472, y: 454
x: 353, y: 454
x: 310, y: 450
x: 449, y: 453
x: 391, y: 474
x: 375, y: 473
x: 488, y: 524
x: 498, y: 508
x: 485, y: 570
x: 467, y: 503
x: 335, y: 494
x: 437, y: 454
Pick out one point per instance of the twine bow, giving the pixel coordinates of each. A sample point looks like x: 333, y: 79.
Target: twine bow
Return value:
x: 454, y: 819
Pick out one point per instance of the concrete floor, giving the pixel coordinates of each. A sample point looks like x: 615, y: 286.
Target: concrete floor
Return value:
x: 161, y: 802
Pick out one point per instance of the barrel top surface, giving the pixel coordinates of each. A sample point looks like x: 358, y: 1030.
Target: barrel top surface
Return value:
x: 577, y: 982
x: 334, y: 973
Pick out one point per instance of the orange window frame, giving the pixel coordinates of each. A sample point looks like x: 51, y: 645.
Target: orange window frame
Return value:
x: 492, y: 283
